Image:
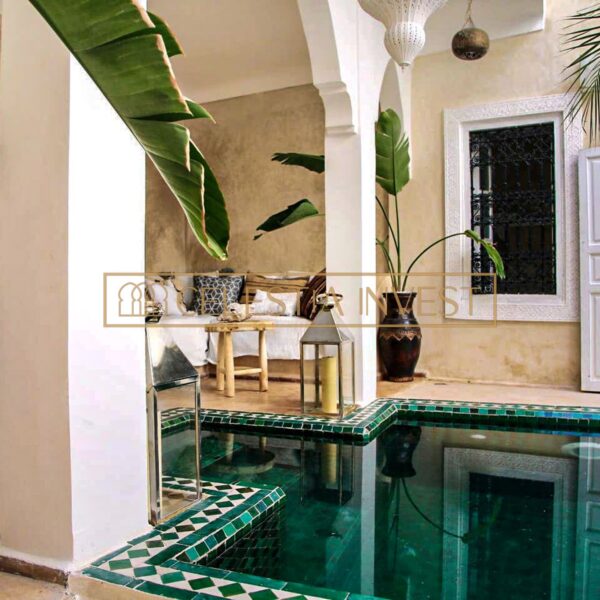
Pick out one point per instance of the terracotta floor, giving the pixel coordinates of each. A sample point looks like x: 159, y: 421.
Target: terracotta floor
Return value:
x: 13, y: 587
x: 284, y: 397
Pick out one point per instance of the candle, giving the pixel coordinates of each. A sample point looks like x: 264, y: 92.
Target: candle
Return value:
x: 329, y: 464
x: 328, y: 366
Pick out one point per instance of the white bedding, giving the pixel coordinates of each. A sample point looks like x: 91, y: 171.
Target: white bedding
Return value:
x: 193, y: 341
x: 283, y: 341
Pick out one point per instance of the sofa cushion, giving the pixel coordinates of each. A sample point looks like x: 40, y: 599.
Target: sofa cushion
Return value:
x: 212, y: 295
x: 269, y: 284
x: 308, y: 304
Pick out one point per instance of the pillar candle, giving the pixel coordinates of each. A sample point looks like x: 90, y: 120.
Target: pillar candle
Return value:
x: 328, y: 366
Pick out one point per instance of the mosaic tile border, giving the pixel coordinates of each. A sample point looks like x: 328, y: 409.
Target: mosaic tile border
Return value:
x: 366, y: 423
x: 170, y: 560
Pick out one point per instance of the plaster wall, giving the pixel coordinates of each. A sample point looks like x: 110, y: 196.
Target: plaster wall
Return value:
x: 248, y: 130
x: 73, y: 474
x: 35, y: 485
x: 520, y: 67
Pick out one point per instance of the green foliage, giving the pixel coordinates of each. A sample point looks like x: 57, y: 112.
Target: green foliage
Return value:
x: 491, y: 252
x: 126, y: 50
x: 292, y: 214
x: 583, y: 72
x: 391, y: 153
x: 312, y: 162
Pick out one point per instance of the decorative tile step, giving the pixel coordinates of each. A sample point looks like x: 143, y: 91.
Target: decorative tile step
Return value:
x: 364, y: 424
x: 171, y: 560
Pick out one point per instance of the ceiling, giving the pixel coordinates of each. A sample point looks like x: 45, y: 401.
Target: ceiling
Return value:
x: 238, y: 47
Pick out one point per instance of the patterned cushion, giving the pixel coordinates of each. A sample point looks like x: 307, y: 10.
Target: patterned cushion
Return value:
x: 212, y: 295
x: 308, y: 305
x: 278, y: 285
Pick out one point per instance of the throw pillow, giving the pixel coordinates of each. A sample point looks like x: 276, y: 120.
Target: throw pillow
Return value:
x: 308, y: 305
x: 164, y: 293
x: 272, y: 284
x: 213, y: 295
x: 270, y: 303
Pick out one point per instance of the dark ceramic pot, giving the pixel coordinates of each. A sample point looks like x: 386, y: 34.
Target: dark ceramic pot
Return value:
x: 400, y: 341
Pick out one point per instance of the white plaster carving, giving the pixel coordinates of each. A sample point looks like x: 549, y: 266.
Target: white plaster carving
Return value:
x: 562, y: 306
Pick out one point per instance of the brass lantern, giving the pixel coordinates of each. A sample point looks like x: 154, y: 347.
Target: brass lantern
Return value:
x: 327, y: 363
x: 470, y: 43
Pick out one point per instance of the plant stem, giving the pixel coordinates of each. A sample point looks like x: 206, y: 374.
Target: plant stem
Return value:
x: 399, y: 266
x: 396, y: 245
x: 412, y: 264
x: 388, y: 258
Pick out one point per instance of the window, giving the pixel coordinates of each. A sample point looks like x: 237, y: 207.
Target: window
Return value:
x: 511, y: 176
x: 513, y: 203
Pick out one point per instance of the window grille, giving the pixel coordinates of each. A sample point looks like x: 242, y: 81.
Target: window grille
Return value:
x: 513, y: 204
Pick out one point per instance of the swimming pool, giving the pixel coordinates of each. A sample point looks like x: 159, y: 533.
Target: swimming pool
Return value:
x: 424, y: 511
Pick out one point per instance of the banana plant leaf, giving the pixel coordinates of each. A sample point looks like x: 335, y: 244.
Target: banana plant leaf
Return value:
x: 126, y: 50
x: 392, y: 157
x: 490, y: 250
x: 293, y: 213
x: 312, y: 162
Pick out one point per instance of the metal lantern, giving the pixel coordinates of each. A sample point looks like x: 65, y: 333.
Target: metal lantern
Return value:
x: 167, y: 367
x: 404, y: 22
x: 470, y: 43
x: 327, y: 363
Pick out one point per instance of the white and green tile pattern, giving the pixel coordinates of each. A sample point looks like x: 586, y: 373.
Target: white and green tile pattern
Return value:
x: 170, y: 561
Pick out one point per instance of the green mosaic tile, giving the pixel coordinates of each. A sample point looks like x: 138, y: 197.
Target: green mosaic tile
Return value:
x: 201, y: 583
x: 232, y: 589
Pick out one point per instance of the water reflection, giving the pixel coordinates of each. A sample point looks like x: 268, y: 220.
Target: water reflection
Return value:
x: 423, y: 512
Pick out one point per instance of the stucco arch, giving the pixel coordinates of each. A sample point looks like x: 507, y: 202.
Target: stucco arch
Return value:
x: 326, y: 26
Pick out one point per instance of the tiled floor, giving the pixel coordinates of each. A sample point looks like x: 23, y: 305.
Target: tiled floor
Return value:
x: 13, y: 587
x: 284, y: 397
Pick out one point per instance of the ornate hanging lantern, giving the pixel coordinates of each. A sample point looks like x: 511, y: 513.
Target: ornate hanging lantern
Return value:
x: 470, y: 43
x: 404, y: 21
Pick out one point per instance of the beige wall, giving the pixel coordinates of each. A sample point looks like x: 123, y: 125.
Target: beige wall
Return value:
x: 520, y: 67
x: 35, y: 484
x: 238, y: 147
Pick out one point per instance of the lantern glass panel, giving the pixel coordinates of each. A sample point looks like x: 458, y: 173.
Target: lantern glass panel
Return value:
x: 328, y: 378
x: 173, y: 453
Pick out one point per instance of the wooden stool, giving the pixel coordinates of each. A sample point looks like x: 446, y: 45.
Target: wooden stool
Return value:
x: 226, y: 371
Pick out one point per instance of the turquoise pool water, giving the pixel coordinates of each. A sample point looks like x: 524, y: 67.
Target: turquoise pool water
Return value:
x: 422, y: 512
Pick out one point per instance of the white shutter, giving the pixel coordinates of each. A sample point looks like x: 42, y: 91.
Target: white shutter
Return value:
x: 589, y: 223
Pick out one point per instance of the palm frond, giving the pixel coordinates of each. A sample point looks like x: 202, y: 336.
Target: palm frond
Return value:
x: 582, y: 37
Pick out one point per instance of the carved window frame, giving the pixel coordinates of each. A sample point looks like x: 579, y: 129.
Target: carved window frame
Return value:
x: 562, y: 306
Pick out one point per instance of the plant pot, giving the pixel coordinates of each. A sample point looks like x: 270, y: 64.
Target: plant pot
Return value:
x: 400, y: 340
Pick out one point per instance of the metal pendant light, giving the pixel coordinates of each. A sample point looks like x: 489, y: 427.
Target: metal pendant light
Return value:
x: 404, y: 21
x: 470, y: 43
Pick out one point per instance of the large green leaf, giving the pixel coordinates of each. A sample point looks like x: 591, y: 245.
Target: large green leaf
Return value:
x: 490, y: 250
x: 312, y: 162
x: 292, y: 214
x: 126, y: 50
x: 391, y: 153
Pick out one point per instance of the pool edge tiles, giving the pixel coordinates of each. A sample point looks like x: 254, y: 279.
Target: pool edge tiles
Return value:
x: 367, y: 422
x: 167, y: 561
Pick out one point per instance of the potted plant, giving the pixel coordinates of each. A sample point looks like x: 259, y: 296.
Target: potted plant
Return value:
x: 399, y: 340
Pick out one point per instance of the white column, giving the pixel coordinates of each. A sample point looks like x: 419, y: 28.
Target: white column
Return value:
x: 348, y: 61
x: 72, y: 405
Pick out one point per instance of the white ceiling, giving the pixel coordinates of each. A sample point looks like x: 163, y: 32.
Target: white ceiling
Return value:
x: 238, y: 47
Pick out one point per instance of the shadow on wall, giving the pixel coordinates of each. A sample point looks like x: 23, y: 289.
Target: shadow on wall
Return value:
x: 249, y: 130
